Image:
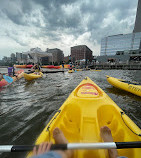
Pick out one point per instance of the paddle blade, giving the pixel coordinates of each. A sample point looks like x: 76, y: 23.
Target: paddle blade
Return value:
x: 8, y: 78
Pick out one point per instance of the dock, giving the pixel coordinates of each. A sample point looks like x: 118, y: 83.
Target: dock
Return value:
x: 53, y: 71
x: 118, y: 66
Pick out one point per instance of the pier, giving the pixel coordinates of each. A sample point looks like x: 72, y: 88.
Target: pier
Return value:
x: 107, y: 66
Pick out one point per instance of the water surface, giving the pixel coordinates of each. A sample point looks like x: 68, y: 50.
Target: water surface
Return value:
x: 26, y: 107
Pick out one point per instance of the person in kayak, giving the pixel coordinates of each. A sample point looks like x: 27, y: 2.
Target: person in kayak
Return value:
x: 63, y: 64
x: 11, y: 71
x: 44, y: 149
x: 36, y: 68
x: 70, y: 68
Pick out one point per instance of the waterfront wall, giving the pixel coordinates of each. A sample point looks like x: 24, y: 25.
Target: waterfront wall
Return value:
x: 107, y: 66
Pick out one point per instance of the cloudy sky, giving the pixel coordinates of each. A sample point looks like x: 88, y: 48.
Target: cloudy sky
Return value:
x: 25, y: 24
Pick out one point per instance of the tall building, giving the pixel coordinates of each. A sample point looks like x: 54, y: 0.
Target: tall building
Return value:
x: 35, y: 55
x: 132, y: 41
x: 57, y: 55
x: 81, y: 52
x: 137, y: 27
x: 19, y: 57
x: 13, y: 57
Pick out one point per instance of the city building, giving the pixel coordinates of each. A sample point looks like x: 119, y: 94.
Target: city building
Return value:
x: 137, y: 27
x: 34, y: 55
x: 19, y: 57
x: 57, y: 55
x: 121, y: 57
x: 81, y: 52
x: 123, y: 47
x: 24, y: 58
x: 47, y: 59
x: 111, y: 44
x: 13, y: 58
x: 6, y: 59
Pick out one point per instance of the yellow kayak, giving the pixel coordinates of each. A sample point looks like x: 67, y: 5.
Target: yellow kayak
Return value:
x: 86, y: 110
x: 32, y: 76
x: 131, y: 87
x: 70, y: 71
x: 79, y: 69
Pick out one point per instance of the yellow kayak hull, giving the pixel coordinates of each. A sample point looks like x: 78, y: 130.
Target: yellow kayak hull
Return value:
x: 32, y: 76
x: 131, y: 87
x: 79, y: 69
x: 86, y: 110
x: 70, y: 71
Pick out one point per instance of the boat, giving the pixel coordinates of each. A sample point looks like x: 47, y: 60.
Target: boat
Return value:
x: 132, y: 87
x: 32, y: 76
x: 66, y: 66
x: 51, y: 67
x: 19, y: 73
x: 20, y: 66
x: 79, y: 69
x: 81, y: 116
x: 3, y: 83
x: 70, y: 71
x: 57, y: 67
x: 29, y: 66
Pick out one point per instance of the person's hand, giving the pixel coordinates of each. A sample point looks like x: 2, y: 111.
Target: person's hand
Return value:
x: 43, y: 147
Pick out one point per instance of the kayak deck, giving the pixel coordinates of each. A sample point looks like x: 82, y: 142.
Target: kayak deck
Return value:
x: 86, y: 110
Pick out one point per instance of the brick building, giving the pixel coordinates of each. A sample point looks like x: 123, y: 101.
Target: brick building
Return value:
x: 81, y: 52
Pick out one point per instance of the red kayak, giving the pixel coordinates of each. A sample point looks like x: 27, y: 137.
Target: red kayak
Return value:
x: 3, y: 82
x: 57, y: 67
x: 29, y: 66
x: 51, y: 67
x: 19, y: 73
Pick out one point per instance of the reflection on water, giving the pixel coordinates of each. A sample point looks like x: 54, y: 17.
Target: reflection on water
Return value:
x: 26, y: 107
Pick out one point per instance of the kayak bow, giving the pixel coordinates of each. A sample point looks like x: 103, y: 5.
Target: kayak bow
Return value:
x: 128, y: 86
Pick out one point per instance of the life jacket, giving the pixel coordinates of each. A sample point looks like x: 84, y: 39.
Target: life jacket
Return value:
x: 10, y: 71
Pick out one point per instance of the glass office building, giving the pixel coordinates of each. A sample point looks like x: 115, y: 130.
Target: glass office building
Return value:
x: 111, y: 44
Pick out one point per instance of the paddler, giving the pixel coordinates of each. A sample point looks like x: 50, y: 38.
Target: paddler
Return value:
x: 36, y: 68
x: 43, y: 150
x: 63, y: 64
x: 70, y: 68
x: 11, y: 71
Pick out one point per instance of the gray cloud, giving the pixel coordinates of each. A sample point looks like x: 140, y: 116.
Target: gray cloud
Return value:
x: 50, y: 19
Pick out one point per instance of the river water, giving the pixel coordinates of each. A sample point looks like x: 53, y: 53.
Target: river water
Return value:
x: 26, y: 107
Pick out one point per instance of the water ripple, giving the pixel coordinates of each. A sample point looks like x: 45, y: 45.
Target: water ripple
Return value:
x: 26, y: 107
